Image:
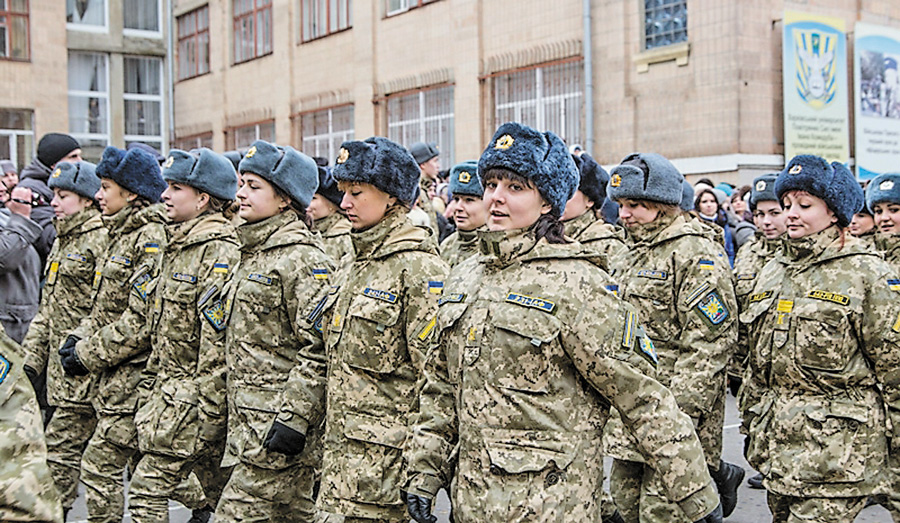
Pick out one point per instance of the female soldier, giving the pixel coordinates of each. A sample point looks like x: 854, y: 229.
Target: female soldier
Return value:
x: 181, y: 420
x: 329, y: 220
x: 113, y: 345
x: 283, y: 273
x: 579, y: 218
x: 76, y: 255
x: 529, y: 360
x: 824, y: 353
x: 680, y: 283
x: 375, y: 331
x: 469, y: 213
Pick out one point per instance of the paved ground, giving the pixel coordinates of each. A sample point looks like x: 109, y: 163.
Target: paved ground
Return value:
x: 751, y: 505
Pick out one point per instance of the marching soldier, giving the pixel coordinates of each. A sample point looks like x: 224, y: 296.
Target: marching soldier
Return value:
x: 470, y: 214
x: 579, y: 217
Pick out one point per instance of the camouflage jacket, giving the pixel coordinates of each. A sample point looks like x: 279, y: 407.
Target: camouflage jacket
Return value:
x: 185, y: 373
x: 459, y: 246
x: 77, y: 254
x: 889, y: 247
x: 27, y: 492
x: 425, y: 203
x: 115, y: 338
x: 335, y: 233
x: 375, y: 330
x: 531, y: 354
x: 600, y: 236
x: 869, y: 240
x: 282, y: 277
x: 824, y: 327
x: 748, y: 263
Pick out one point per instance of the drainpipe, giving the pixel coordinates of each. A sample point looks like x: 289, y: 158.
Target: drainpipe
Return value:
x: 588, y: 80
x: 170, y: 59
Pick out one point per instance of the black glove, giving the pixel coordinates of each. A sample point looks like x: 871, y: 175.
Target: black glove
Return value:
x: 70, y: 361
x: 615, y: 518
x: 285, y: 440
x: 713, y: 517
x: 419, y: 508
x: 35, y: 378
x: 69, y: 344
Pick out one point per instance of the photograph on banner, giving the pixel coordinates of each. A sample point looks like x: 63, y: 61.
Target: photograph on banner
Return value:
x: 816, y: 108
x: 877, y: 84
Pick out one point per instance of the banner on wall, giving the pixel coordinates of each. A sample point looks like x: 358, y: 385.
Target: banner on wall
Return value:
x: 877, y: 88
x: 816, y: 114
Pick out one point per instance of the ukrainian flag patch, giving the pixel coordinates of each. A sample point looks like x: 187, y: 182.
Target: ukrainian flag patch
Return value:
x: 531, y: 301
x: 435, y: 287
x: 380, y: 295
x: 452, y: 298
x: 894, y: 285
x: 320, y: 274
x: 712, y: 308
x: 215, y: 315
x: 4, y: 368
x: 151, y: 247
x: 706, y: 265
x: 220, y: 268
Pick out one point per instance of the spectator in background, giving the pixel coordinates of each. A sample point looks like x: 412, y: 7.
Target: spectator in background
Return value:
x: 740, y: 219
x: 20, y: 265
x: 9, y: 177
x: 708, y: 208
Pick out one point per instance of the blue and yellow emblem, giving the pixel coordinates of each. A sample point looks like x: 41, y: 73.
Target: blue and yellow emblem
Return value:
x: 428, y: 329
x: 181, y: 276
x: 151, y: 247
x: 259, y: 278
x: 531, y: 301
x: 320, y: 274
x: 649, y: 273
x: 215, y: 314
x: 456, y: 297
x: 629, y: 329
x: 380, y: 295
x: 815, y: 51
x: 52, y: 273
x: 706, y: 265
x: 894, y: 285
x: 435, y: 287
x: 760, y: 296
x: 747, y: 276
x: 712, y: 308
x: 140, y: 285
x: 4, y: 368
x: 76, y: 257
x: 121, y: 260
x: 220, y: 268
x: 647, y: 348
x: 613, y: 289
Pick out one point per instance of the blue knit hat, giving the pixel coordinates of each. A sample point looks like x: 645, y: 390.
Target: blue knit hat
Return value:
x: 540, y: 157
x: 135, y: 170
x: 464, y: 179
x: 328, y: 186
x: 763, y: 189
x: 883, y: 188
x: 832, y: 183
x: 646, y: 176
x: 687, y: 197
x: 380, y: 162
x: 593, y: 178
x: 78, y: 177
x: 286, y: 168
x: 203, y: 170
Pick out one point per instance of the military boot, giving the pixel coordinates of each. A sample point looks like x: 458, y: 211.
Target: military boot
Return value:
x: 201, y: 515
x: 615, y: 518
x: 728, y: 478
x: 755, y: 482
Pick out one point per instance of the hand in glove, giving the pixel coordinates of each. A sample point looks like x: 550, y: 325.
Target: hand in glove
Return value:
x: 713, y: 517
x: 70, y: 361
x: 285, y: 440
x: 419, y: 508
x: 35, y: 378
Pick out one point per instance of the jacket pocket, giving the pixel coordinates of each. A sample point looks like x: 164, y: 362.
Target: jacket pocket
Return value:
x: 821, y: 340
x: 374, y: 444
x: 253, y: 410
x: 179, y: 308
x: 168, y: 423
x: 836, y: 444
x: 520, y: 348
x: 374, y: 324
x: 654, y: 300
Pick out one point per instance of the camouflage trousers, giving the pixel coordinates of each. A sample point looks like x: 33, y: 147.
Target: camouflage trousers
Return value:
x: 255, y: 494
x: 891, y: 499
x: 157, y: 478
x: 638, y: 494
x: 67, y: 435
x: 324, y: 517
x: 790, y: 509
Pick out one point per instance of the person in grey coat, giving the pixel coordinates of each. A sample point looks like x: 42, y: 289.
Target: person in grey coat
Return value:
x: 20, y: 265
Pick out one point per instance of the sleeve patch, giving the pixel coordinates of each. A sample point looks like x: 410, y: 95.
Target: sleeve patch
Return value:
x: 760, y: 296
x: 121, y: 260
x: 181, y: 276
x: 151, y: 247
x: 629, y: 330
x: 452, y: 298
x: 139, y: 285
x: 712, y: 308
x: 52, y: 273
x: 531, y: 301
x: 435, y: 287
x: 429, y: 327
x: 648, y: 350
x: 210, y: 292
x: 746, y: 276
x: 656, y: 275
x: 894, y: 285
x: 259, y: 278
x: 896, y: 326
x: 613, y: 289
x: 215, y: 314
x: 320, y: 274
x: 380, y: 295
x: 696, y: 293
x: 706, y: 265
x: 76, y: 257
x: 4, y: 368
x: 220, y: 268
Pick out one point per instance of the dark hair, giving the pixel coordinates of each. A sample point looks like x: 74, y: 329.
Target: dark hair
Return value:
x: 720, y: 218
x: 547, y: 225
x: 294, y: 206
x: 140, y: 202
x: 226, y: 207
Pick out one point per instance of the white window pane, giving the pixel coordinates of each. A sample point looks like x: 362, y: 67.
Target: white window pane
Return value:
x: 141, y: 14
x: 86, y: 12
x: 87, y: 115
x: 87, y: 72
x: 143, y: 117
x: 142, y: 75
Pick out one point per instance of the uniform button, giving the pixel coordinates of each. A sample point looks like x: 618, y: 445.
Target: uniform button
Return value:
x: 495, y: 470
x: 551, y: 479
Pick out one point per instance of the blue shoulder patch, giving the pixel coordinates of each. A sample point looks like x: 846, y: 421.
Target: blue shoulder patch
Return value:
x: 530, y: 301
x: 656, y: 275
x: 4, y: 368
x: 215, y: 314
x: 452, y: 298
x: 712, y: 308
x: 380, y: 295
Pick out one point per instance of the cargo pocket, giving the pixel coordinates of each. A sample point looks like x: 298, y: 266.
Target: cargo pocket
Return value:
x: 448, y: 318
x: 655, y: 306
x: 178, y: 308
x: 170, y: 425
x: 820, y: 340
x: 520, y: 348
x: 375, y: 444
x: 374, y: 323
x: 255, y: 408
x: 836, y: 444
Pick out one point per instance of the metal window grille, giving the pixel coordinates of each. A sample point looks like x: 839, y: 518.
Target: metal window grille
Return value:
x: 143, y: 100
x: 14, y: 43
x: 244, y: 136
x: 665, y: 22
x: 324, y: 17
x: 252, y: 29
x: 193, y: 43
x: 549, y: 98
x: 323, y: 132
x: 196, y: 141
x: 89, y: 98
x: 425, y: 115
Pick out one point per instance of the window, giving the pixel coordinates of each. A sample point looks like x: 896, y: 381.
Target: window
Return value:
x: 395, y: 7
x: 193, y: 43
x: 323, y: 132
x: 196, y: 141
x: 86, y: 14
x: 547, y: 98
x: 240, y: 137
x: 89, y: 98
x: 423, y: 116
x: 143, y: 100
x: 17, y: 136
x: 323, y: 17
x: 142, y: 15
x: 252, y: 29
x: 665, y: 22
x: 14, y: 29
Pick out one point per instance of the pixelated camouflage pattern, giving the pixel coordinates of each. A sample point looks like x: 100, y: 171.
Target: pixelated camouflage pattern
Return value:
x: 334, y: 230
x: 287, y: 495
x: 67, y: 434
x: 459, y: 246
x: 869, y: 240
x: 532, y: 352
x: 376, y: 327
x: 791, y: 509
x: 749, y: 261
x: 77, y: 253
x: 605, y: 238
x: 26, y: 486
x: 888, y: 245
x: 824, y: 332
x: 425, y: 203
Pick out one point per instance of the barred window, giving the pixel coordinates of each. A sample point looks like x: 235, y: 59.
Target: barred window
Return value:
x: 323, y: 132
x: 252, y: 29
x: 548, y: 98
x: 143, y: 101
x: 89, y: 98
x: 195, y: 141
x: 395, y: 7
x: 239, y: 137
x: 193, y: 43
x: 324, y: 17
x: 17, y: 135
x: 665, y: 22
x: 141, y: 15
x: 14, y: 30
x: 425, y: 115
x: 86, y: 14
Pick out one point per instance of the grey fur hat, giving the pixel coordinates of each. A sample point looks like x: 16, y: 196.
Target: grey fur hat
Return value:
x: 763, y: 189
x: 646, y: 176
x: 203, y: 170
x: 78, y: 177
x: 135, y: 170
x: 464, y: 179
x: 423, y: 152
x: 284, y: 167
x: 833, y: 183
x: 381, y: 162
x: 593, y: 178
x: 883, y: 188
x: 687, y: 197
x: 328, y: 186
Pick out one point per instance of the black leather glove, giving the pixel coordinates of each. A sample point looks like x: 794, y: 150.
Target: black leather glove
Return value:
x: 419, y: 508
x: 35, y: 378
x: 285, y: 440
x: 69, y: 344
x: 71, y: 364
x: 713, y: 517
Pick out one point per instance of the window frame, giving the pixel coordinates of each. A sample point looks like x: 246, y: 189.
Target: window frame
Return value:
x: 90, y: 28
x: 93, y: 94
x: 10, y: 15
x: 330, y: 135
x: 406, y: 5
x: 645, y: 36
x: 140, y: 97
x: 195, y: 35
x: 447, y: 149
x: 198, y: 139
x: 252, y: 14
x: 231, y: 131
x: 147, y: 33
x: 348, y: 7
x: 19, y: 158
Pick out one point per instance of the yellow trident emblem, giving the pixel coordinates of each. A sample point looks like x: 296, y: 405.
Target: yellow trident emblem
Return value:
x: 504, y: 142
x: 464, y: 177
x: 796, y: 169
x: 169, y: 161
x: 56, y: 173
x: 616, y: 180
x: 343, y: 155
x: 250, y: 152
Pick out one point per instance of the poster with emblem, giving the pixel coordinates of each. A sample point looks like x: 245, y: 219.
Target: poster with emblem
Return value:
x: 877, y: 88
x: 816, y: 110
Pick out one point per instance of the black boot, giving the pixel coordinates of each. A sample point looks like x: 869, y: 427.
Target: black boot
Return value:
x: 615, y: 518
x: 728, y: 478
x: 201, y: 515
x: 755, y: 482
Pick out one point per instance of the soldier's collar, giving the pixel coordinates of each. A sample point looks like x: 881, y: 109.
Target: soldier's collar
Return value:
x: 576, y: 226
x: 809, y: 247
x: 503, y: 247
